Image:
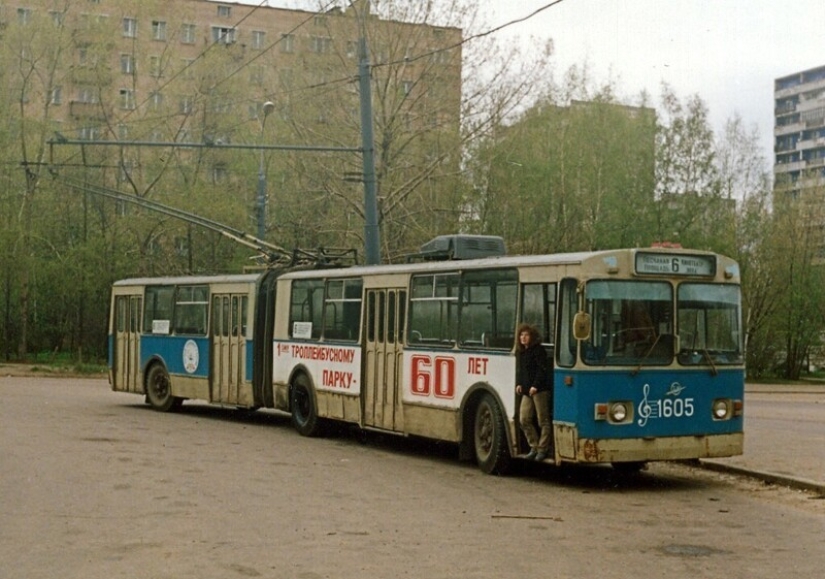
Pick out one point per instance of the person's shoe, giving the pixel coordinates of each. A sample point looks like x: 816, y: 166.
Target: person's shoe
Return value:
x: 540, y: 456
x: 532, y: 454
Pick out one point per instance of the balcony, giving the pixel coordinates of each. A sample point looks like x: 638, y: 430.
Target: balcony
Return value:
x: 797, y: 127
x: 810, y: 144
x: 789, y: 167
x: 818, y: 162
x: 80, y: 110
x: 92, y: 76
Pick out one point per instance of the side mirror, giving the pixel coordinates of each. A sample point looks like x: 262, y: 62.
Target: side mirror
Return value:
x: 581, y: 326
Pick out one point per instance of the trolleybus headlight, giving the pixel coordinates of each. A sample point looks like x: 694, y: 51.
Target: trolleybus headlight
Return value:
x: 618, y: 412
x: 614, y: 412
x: 721, y: 409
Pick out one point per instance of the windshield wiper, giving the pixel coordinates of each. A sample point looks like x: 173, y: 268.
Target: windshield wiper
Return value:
x: 709, y: 358
x: 638, y: 368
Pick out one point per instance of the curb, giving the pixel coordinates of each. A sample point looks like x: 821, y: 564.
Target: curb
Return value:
x: 768, y: 477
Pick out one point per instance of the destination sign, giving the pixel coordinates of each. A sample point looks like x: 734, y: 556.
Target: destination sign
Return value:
x: 672, y: 264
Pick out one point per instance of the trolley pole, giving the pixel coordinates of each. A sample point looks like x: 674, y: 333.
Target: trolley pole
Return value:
x: 371, y: 236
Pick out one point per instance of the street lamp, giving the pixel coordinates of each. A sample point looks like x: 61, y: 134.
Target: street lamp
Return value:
x: 267, y: 108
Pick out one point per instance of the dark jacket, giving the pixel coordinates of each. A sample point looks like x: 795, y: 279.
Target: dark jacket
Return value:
x: 532, y: 369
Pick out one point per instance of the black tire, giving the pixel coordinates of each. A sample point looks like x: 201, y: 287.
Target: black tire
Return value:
x: 159, y: 390
x: 490, y: 437
x: 302, y: 404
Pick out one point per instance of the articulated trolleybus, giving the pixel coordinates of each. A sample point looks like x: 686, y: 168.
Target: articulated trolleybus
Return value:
x: 645, y: 345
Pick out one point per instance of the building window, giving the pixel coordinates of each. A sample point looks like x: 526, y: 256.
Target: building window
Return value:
x: 56, y: 96
x: 187, y: 105
x: 188, y: 70
x: 441, y: 56
x: 288, y: 43
x: 321, y: 44
x: 127, y: 64
x: 89, y: 133
x: 129, y: 27
x: 223, y: 35
x: 224, y: 11
x: 24, y: 16
x: 187, y: 33
x: 352, y: 49
x: 87, y: 95
x: 406, y: 87
x: 122, y: 132
x: 158, y: 30
x: 258, y: 39
x: 219, y: 173
x: 155, y: 66
x: 221, y: 106
x: 127, y: 99
x: 320, y: 21
x: 156, y: 100
x: 57, y: 17
x: 256, y: 75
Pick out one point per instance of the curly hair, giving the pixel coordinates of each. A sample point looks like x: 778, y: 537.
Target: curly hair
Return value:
x: 535, y: 337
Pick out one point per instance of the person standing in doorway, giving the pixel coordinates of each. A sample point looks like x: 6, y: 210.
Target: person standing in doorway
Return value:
x: 534, y: 385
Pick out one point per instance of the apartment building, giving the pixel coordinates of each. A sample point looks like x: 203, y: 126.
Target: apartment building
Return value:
x: 799, y: 132
x: 170, y: 69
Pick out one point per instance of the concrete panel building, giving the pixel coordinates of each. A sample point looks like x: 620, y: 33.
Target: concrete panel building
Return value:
x: 799, y: 132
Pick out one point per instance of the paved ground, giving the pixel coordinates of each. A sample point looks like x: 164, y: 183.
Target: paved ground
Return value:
x: 774, y: 449
x: 784, y: 436
x: 95, y: 485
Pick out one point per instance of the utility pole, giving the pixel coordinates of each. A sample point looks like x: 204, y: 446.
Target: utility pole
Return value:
x: 372, y: 245
x: 267, y: 108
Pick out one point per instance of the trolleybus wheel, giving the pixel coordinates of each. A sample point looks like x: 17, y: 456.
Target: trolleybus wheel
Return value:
x: 159, y: 390
x: 304, y: 415
x: 490, y: 438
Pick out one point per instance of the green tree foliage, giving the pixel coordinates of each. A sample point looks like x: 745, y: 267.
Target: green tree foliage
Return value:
x: 799, y: 315
x: 433, y: 96
x: 691, y: 210
x: 470, y: 135
x: 569, y: 176
x: 745, y: 180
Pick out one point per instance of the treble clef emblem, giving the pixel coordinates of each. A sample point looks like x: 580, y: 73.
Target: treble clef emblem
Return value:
x: 644, y: 407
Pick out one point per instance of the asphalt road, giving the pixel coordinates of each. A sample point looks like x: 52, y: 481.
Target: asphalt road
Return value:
x: 94, y: 485
x: 784, y: 436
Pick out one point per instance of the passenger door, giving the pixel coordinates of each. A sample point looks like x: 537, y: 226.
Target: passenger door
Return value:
x: 228, y: 346
x: 127, y: 343
x: 383, y: 335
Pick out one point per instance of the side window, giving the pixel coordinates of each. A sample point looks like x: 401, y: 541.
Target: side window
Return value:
x: 121, y: 310
x: 568, y: 305
x: 488, y: 308
x: 134, y: 319
x: 191, y: 303
x: 538, y: 308
x: 391, y: 335
x: 433, y: 309
x: 342, y: 309
x: 243, y: 313
x: 217, y: 320
x: 157, y: 314
x: 306, y: 309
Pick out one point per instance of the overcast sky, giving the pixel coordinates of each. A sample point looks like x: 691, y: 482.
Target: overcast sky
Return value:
x: 727, y: 51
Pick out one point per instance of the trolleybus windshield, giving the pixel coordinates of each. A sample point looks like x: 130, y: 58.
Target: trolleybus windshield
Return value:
x: 632, y: 323
x: 709, y: 324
